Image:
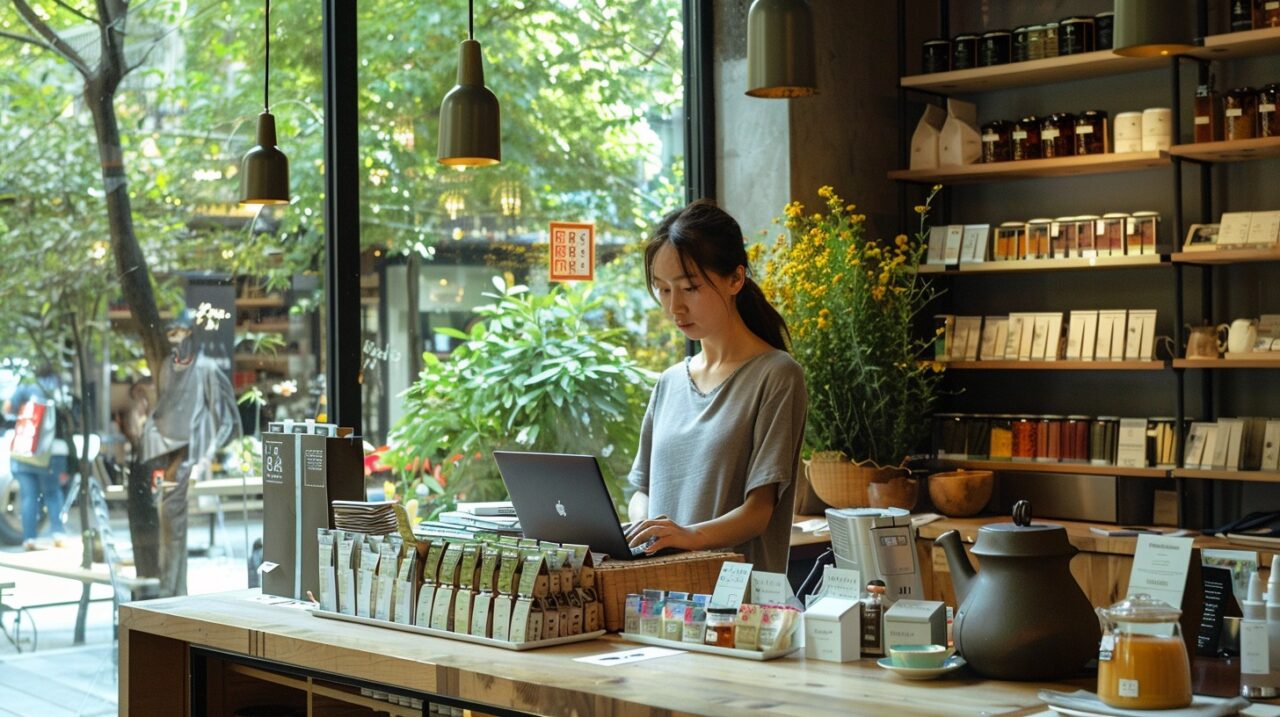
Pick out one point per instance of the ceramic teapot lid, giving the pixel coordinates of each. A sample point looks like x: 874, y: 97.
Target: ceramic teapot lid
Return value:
x: 1141, y: 607
x: 1022, y: 538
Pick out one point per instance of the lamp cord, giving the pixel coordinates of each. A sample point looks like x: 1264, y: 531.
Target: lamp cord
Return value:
x: 266, y: 77
x: 471, y: 19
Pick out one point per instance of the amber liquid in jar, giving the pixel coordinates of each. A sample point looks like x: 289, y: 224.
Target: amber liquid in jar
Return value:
x: 720, y: 622
x: 1025, y: 138
x: 1268, y: 118
x: 1092, y: 134
x: 1057, y: 135
x: 1208, y: 114
x: 996, y: 145
x: 1240, y: 113
x: 1154, y: 671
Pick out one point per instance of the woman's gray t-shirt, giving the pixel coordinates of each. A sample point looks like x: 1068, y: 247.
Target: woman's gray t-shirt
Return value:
x: 701, y: 453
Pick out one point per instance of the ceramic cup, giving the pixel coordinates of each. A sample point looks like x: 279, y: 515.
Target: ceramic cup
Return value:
x: 919, y: 657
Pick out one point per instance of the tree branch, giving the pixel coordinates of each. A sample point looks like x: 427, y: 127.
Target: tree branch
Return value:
x: 27, y: 39
x: 78, y: 13
x: 55, y: 41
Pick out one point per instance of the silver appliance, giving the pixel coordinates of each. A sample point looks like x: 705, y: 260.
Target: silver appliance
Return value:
x: 881, y: 545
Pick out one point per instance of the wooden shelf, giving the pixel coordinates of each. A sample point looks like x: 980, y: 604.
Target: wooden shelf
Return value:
x: 1031, y: 72
x: 1226, y: 256
x: 278, y: 363
x: 1240, y: 44
x: 1036, y: 168
x: 1004, y: 267
x: 1223, y: 474
x: 1230, y: 362
x: 1238, y: 150
x: 355, y: 698
x: 997, y: 365
x: 281, y: 326
x: 260, y: 302
x: 1034, y: 467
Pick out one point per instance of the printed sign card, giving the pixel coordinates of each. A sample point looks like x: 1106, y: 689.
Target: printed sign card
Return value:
x: 573, y: 251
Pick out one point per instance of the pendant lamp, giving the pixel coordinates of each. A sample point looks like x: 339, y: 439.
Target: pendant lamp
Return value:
x: 1154, y: 28
x: 264, y: 171
x: 780, y: 49
x: 470, y: 122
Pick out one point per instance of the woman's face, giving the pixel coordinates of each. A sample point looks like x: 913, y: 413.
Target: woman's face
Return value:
x: 700, y: 308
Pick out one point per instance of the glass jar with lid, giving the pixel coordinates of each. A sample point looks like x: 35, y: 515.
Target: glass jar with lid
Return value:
x: 1001, y: 445
x: 1051, y: 39
x: 1143, y: 228
x: 720, y: 623
x: 1049, y: 439
x: 1142, y: 660
x: 1063, y: 238
x: 978, y: 442
x: 1020, y: 47
x: 1038, y: 239
x: 964, y: 52
x: 1270, y: 14
x: 994, y: 48
x: 952, y: 434
x: 936, y: 55
x: 1103, y: 30
x: 1208, y: 114
x: 1103, y: 433
x: 1075, y: 35
x: 1057, y: 135
x: 995, y: 142
x: 1035, y: 42
x: 1086, y: 227
x: 1025, y: 137
x: 1075, y: 439
x: 1268, y: 118
x: 1240, y: 114
x: 1092, y: 133
x: 1011, y: 241
x: 1024, y: 437
x: 1111, y: 234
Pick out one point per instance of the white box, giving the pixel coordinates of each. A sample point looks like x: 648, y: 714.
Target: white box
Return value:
x: 924, y: 141
x: 959, y: 142
x: 955, y: 237
x: 1234, y: 228
x: 1131, y: 443
x: 833, y: 630
x: 1264, y: 228
x: 968, y: 335
x: 915, y: 622
x: 937, y: 245
x: 973, y: 248
x: 995, y: 332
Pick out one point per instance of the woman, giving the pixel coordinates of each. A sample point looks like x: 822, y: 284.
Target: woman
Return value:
x: 41, y: 477
x: 720, y: 444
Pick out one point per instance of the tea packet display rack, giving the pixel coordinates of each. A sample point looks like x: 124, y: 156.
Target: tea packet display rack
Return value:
x: 506, y: 592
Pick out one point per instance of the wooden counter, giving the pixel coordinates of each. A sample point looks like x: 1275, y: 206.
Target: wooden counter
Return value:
x: 162, y: 664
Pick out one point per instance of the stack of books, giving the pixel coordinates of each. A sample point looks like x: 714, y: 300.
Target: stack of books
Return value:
x: 468, y: 520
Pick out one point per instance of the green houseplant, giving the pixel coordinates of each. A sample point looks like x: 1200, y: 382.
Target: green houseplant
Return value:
x: 535, y: 373
x: 852, y: 303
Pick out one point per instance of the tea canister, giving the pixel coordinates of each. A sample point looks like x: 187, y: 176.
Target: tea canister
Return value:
x: 1057, y: 135
x: 1049, y: 439
x: 996, y: 142
x: 1035, y: 42
x: 952, y: 434
x: 1075, y: 35
x: 1011, y: 241
x: 1241, y: 18
x: 1024, y: 437
x: 964, y: 52
x: 995, y: 48
x: 1062, y: 238
x: 1110, y: 236
x: 1143, y: 228
x: 1025, y: 137
x: 1075, y: 439
x: 1240, y: 114
x: 1208, y: 114
x: 1021, y: 48
x: 937, y: 55
x: 1103, y: 30
x: 978, y: 439
x: 1103, y: 434
x: 1092, y: 135
x: 1268, y: 118
x: 1001, y: 445
x: 1038, y: 238
x: 1051, y: 39
x: 1160, y: 440
x: 1157, y: 129
x: 1086, y: 226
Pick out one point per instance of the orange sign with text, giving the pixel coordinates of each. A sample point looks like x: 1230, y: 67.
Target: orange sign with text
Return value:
x: 573, y: 251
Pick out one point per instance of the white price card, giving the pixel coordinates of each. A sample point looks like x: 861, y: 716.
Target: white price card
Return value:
x: 770, y: 588
x: 731, y: 586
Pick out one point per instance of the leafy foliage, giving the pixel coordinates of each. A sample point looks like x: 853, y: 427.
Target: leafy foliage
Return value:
x: 535, y: 373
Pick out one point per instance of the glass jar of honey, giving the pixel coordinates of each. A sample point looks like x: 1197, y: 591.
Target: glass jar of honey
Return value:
x: 1025, y: 138
x: 720, y: 623
x: 1092, y: 135
x: 995, y: 142
x: 1240, y: 114
x: 1268, y: 118
x: 1057, y: 135
x: 1208, y: 117
x: 1038, y: 237
x: 1142, y: 661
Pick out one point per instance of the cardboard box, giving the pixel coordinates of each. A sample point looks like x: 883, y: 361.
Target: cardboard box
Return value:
x: 924, y: 141
x: 833, y: 630
x: 915, y: 622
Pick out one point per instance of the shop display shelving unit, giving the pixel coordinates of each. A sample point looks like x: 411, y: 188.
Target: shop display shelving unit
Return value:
x: 1180, y: 390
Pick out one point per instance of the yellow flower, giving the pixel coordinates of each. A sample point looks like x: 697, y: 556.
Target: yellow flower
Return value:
x: 900, y: 240
x: 921, y: 209
x: 826, y: 191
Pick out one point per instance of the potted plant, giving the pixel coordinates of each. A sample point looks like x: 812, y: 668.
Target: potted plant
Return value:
x: 852, y: 303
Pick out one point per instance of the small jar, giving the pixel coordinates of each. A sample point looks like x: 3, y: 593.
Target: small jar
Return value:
x: 1086, y: 226
x: 1011, y: 241
x: 720, y: 622
x: 1049, y: 439
x: 1103, y: 434
x: 1057, y: 135
x: 978, y: 440
x: 951, y: 435
x: 1093, y: 136
x: 936, y: 55
x: 1111, y: 234
x: 1240, y: 114
x: 1075, y: 439
x: 1075, y: 35
x: 964, y: 52
x: 1208, y: 119
x: 1020, y: 48
x: 1051, y: 39
x: 872, y: 619
x: 1241, y: 18
x: 995, y: 48
x: 1035, y: 42
x: 1039, y: 234
x: 1024, y: 438
x: 1143, y: 228
x: 1103, y: 30
x: 1025, y: 137
x: 1268, y: 118
x: 1062, y: 236
x: 996, y: 142
x: 1001, y: 437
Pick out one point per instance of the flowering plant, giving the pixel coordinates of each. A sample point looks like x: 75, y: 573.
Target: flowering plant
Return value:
x: 852, y: 304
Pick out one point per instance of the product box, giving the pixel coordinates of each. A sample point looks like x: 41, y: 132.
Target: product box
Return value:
x: 304, y: 467
x: 915, y: 622
x: 833, y: 630
x: 959, y: 142
x: 924, y: 142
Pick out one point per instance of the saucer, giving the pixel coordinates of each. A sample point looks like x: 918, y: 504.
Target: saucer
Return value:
x: 952, y: 664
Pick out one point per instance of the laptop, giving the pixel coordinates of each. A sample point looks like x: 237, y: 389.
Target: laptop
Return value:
x: 562, y: 498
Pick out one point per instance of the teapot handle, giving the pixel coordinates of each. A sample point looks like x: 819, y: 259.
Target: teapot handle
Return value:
x: 1222, y: 332
x: 1022, y: 513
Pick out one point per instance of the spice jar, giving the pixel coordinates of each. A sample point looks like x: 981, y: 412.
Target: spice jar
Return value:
x: 1110, y: 235
x: 1075, y: 439
x: 1021, y: 44
x: 1038, y: 239
x: 1142, y: 660
x: 1103, y: 28
x: 951, y: 435
x: 872, y: 618
x: 1268, y: 118
x: 994, y: 48
x: 1240, y: 113
x: 995, y: 142
x: 1001, y: 437
x: 1092, y: 134
x: 1062, y: 238
x: 1057, y: 135
x: 1075, y: 35
x: 1086, y: 227
x: 1208, y: 118
x: 1035, y: 42
x: 1103, y: 433
x: 1011, y: 241
x: 978, y: 439
x: 1142, y: 233
x: 720, y: 622
x: 1024, y: 438
x: 1049, y: 439
x: 937, y: 55
x: 964, y: 52
x: 1051, y: 39
x: 1025, y: 137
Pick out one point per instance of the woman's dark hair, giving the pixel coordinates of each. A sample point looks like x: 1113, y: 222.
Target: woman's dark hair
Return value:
x: 707, y: 239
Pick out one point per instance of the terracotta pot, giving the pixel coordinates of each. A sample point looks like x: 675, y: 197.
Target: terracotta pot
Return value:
x: 900, y: 491
x: 961, y: 493
x: 840, y: 482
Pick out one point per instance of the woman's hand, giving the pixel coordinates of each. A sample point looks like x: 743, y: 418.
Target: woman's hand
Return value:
x: 661, y: 532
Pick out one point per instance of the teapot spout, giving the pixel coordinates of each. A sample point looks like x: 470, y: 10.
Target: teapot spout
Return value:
x: 962, y: 572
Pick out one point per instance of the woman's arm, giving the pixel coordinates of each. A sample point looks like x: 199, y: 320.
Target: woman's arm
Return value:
x: 736, y: 527
x: 638, y: 508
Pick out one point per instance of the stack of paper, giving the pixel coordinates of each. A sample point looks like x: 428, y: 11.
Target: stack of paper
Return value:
x: 368, y: 518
